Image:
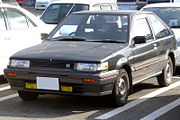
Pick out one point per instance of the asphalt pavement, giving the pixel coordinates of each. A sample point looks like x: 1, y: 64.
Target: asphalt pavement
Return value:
x: 147, y: 102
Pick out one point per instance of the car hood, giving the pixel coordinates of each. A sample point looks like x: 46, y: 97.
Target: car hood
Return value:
x: 71, y: 51
x: 176, y: 32
x: 50, y: 27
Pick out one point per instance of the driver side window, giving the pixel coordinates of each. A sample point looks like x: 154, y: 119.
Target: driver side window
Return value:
x: 141, y: 28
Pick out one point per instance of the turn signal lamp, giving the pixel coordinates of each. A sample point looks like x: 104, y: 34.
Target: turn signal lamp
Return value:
x: 10, y: 74
x: 89, y: 80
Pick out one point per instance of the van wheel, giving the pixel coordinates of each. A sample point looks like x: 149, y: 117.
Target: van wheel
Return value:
x: 166, y: 77
x: 120, y: 91
x: 28, y: 96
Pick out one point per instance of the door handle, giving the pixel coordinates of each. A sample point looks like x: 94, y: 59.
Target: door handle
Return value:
x: 155, y: 46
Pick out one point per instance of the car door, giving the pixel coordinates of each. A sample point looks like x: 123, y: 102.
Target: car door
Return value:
x: 163, y: 39
x: 4, y: 38
x: 144, y: 54
x: 17, y: 32
x: 22, y: 31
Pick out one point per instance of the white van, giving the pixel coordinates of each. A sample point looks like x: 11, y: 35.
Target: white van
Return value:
x: 59, y: 9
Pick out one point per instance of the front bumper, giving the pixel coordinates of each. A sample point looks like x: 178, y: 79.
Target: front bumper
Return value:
x: 103, y: 84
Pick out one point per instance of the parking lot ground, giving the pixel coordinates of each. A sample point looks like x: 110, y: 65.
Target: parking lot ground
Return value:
x: 150, y: 96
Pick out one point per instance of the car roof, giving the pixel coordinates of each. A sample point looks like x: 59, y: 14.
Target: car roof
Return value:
x: 82, y: 1
x: 8, y: 5
x: 162, y: 5
x: 127, y: 12
x: 3, y: 5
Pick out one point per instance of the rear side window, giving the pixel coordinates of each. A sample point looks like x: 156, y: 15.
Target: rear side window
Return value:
x: 97, y: 7
x: 159, y: 29
x: 141, y: 28
x: 106, y: 7
x: 18, y: 20
x: 2, y: 22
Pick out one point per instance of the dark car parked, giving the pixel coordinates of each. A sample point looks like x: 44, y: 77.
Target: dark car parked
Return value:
x: 95, y: 54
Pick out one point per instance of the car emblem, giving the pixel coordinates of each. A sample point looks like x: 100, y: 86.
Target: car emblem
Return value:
x: 68, y: 65
x: 50, y: 60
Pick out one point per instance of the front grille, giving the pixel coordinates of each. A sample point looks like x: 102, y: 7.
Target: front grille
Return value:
x: 51, y: 65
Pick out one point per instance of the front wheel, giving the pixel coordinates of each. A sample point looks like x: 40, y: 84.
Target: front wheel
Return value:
x: 166, y: 77
x: 28, y: 96
x: 121, y: 88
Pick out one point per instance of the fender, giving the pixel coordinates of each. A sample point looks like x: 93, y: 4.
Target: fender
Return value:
x: 170, y: 51
x: 122, y: 61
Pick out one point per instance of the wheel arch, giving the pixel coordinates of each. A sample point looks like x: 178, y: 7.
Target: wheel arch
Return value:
x: 123, y: 63
x: 129, y: 72
x: 172, y: 56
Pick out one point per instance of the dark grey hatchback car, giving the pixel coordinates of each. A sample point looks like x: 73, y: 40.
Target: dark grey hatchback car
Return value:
x: 95, y: 54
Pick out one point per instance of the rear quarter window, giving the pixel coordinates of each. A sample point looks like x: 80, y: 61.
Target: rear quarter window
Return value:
x: 159, y: 29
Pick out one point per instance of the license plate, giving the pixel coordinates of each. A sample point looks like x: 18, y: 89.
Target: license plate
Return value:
x: 66, y: 88
x: 31, y: 85
x: 47, y: 83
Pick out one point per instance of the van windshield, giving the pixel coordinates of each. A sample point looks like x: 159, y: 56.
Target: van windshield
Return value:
x: 56, y: 12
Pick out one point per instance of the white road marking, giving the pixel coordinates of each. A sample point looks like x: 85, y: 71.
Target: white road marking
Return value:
x: 5, y: 88
x: 175, y: 77
x: 8, y: 97
x: 162, y: 110
x: 136, y: 102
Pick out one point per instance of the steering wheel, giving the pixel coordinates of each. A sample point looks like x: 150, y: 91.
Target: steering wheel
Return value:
x: 72, y: 34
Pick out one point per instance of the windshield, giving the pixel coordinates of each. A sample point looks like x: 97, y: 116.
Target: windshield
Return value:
x: 93, y: 27
x: 170, y: 15
x: 56, y: 12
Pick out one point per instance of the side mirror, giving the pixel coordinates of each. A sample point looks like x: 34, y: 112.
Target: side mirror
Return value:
x: 139, y: 39
x: 44, y: 36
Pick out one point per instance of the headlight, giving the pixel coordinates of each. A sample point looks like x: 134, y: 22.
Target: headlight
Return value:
x: 91, y: 67
x: 20, y: 63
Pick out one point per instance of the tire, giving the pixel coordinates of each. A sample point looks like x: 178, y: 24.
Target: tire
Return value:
x: 28, y: 96
x: 120, y: 91
x: 165, y: 78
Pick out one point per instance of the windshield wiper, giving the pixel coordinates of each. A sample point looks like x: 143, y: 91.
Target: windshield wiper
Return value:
x: 70, y: 39
x: 108, y: 41
x: 176, y: 26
